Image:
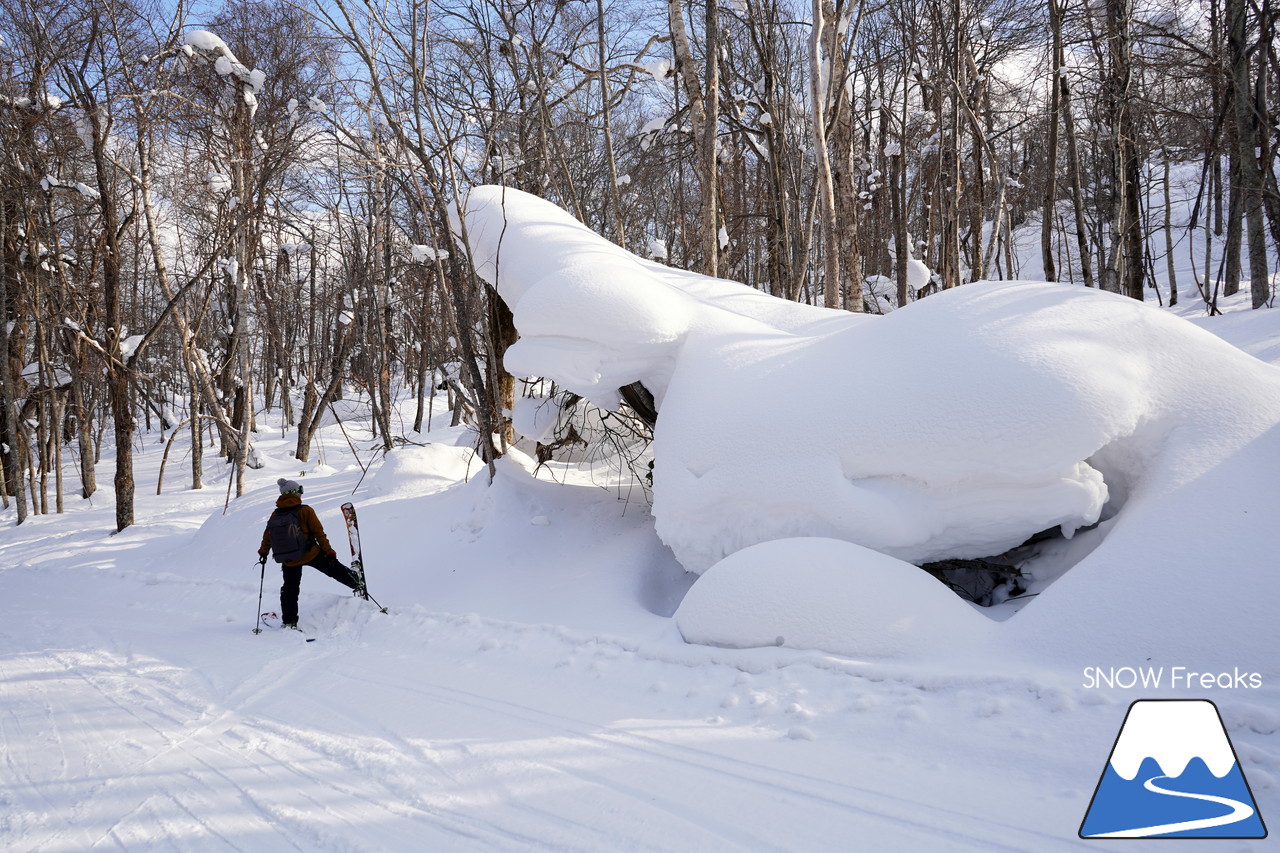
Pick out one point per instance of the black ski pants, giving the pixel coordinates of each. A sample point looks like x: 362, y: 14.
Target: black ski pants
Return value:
x: 293, y: 580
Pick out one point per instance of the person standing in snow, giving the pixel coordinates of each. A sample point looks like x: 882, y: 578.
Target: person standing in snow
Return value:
x: 296, y: 537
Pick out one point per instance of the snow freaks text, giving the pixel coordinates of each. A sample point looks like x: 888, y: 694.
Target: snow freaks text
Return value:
x: 1173, y: 678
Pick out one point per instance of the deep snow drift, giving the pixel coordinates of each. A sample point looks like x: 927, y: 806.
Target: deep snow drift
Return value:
x: 814, y: 593
x: 529, y: 689
x: 958, y: 426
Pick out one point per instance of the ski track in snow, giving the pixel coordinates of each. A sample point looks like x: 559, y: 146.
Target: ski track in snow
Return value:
x: 110, y: 747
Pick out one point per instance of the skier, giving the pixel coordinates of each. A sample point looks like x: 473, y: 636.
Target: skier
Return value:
x: 296, y: 537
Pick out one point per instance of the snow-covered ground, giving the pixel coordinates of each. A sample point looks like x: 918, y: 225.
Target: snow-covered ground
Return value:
x: 527, y: 691
x: 530, y: 688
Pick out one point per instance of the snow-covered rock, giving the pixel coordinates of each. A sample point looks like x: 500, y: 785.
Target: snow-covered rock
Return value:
x: 814, y: 593
x: 957, y: 426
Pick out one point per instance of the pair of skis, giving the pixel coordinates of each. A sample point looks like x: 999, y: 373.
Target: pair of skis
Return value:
x: 357, y: 559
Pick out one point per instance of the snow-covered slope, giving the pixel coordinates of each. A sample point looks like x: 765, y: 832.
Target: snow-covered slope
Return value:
x: 530, y: 688
x: 527, y: 691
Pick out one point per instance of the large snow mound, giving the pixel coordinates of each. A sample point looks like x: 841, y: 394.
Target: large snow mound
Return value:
x: 957, y: 426
x: 827, y: 594
x: 594, y: 317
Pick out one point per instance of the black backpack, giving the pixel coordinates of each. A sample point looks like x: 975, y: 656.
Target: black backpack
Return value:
x: 288, y: 542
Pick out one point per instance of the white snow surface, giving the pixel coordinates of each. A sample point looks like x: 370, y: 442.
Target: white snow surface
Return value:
x: 825, y: 594
x: 592, y: 315
x: 205, y: 40
x: 530, y: 688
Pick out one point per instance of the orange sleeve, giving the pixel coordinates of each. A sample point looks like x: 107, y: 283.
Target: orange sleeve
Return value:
x: 314, y: 528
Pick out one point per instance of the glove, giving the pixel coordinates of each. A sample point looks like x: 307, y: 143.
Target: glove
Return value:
x: 262, y: 557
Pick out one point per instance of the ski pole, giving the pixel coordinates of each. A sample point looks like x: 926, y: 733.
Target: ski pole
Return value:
x: 257, y: 627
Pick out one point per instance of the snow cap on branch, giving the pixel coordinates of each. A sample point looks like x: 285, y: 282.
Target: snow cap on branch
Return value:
x: 200, y: 43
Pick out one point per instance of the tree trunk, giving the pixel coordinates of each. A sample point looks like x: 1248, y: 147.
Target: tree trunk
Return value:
x: 1235, y: 222
x: 841, y: 18
x: 898, y: 212
x: 1051, y: 153
x: 951, y: 171
x: 11, y: 466
x: 1077, y: 188
x: 818, y: 85
x: 84, y: 437
x: 1246, y: 152
x: 613, y: 192
x: 1168, y: 236
x: 1123, y: 273
x: 710, y: 143
x: 704, y: 117
x: 117, y: 373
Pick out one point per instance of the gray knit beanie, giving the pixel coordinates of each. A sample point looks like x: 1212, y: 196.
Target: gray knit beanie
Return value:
x: 289, y: 486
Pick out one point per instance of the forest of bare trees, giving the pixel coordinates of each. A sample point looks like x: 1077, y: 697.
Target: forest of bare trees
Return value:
x: 205, y: 217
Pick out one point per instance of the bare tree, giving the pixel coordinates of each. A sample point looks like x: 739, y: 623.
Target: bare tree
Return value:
x: 1246, y: 150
